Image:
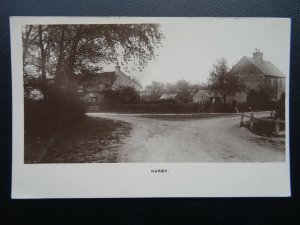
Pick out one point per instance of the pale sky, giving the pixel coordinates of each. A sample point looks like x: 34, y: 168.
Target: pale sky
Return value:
x: 192, y: 45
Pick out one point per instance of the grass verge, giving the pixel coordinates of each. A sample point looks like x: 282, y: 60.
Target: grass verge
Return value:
x: 265, y: 132
x: 93, y: 140
x: 265, y: 129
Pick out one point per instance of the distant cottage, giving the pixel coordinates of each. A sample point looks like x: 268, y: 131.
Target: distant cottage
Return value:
x: 172, y: 97
x: 91, y: 87
x: 203, y: 96
x: 256, y: 73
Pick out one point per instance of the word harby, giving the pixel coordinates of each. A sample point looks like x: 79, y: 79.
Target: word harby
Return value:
x: 159, y: 171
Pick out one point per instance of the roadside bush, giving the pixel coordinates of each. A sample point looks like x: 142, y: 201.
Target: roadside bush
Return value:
x: 167, y: 101
x: 151, y: 102
x: 220, y: 107
x: 243, y: 107
x: 123, y: 95
x: 167, y: 107
x: 260, y: 100
x: 151, y: 108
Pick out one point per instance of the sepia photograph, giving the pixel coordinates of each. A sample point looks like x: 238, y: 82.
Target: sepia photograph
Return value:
x: 129, y: 107
x: 155, y: 92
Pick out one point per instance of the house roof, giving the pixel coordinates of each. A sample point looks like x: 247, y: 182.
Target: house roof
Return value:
x: 168, y: 96
x: 137, y: 82
x: 107, y: 77
x: 94, y: 79
x: 266, y: 67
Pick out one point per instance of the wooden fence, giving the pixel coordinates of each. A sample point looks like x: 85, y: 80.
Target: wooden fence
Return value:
x: 259, y: 116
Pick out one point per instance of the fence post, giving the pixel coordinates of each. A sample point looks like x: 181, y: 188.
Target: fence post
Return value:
x: 277, y: 127
x: 251, y: 121
x: 242, y: 118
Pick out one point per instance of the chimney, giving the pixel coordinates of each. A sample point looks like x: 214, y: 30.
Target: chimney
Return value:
x: 258, y: 55
x: 117, y: 68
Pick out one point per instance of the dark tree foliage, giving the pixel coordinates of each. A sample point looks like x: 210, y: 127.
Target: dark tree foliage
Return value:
x: 156, y: 89
x: 222, y: 81
x: 184, y: 90
x: 123, y: 95
x: 171, y: 88
x: 60, y: 52
x: 128, y: 95
x: 54, y: 55
x: 260, y: 100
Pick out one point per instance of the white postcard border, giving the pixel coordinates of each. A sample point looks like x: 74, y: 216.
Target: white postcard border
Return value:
x: 113, y: 180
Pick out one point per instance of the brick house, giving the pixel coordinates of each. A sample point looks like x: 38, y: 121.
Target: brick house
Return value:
x: 257, y: 73
x: 92, y: 87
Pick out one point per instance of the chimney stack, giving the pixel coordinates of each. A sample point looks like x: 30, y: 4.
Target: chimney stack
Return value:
x: 258, y: 55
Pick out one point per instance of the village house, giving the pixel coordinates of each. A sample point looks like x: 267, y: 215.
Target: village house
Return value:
x: 207, y: 96
x: 203, y: 96
x: 239, y: 97
x: 256, y: 74
x: 92, y: 87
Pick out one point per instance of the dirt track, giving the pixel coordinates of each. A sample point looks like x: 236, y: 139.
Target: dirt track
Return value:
x: 218, y: 139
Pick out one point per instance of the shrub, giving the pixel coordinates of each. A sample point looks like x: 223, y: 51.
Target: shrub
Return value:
x: 243, y: 107
x: 220, y: 107
x: 151, y: 102
x: 260, y: 100
x: 59, y: 111
x: 151, y: 108
x: 123, y: 95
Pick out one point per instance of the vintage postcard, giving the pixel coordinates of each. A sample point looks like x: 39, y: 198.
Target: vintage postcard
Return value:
x: 113, y: 107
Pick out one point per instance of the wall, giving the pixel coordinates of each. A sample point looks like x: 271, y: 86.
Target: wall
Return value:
x: 274, y: 84
x: 249, y: 75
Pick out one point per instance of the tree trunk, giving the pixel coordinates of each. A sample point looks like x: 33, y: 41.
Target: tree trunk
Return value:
x: 25, y: 44
x: 43, y: 63
x: 71, y: 60
x: 59, y: 67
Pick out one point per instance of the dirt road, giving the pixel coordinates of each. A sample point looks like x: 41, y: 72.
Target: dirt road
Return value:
x: 218, y: 139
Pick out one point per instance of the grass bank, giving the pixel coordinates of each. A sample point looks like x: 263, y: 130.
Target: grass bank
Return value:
x: 265, y: 129
x: 92, y: 140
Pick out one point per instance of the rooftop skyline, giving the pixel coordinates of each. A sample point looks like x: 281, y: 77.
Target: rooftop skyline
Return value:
x: 192, y: 46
